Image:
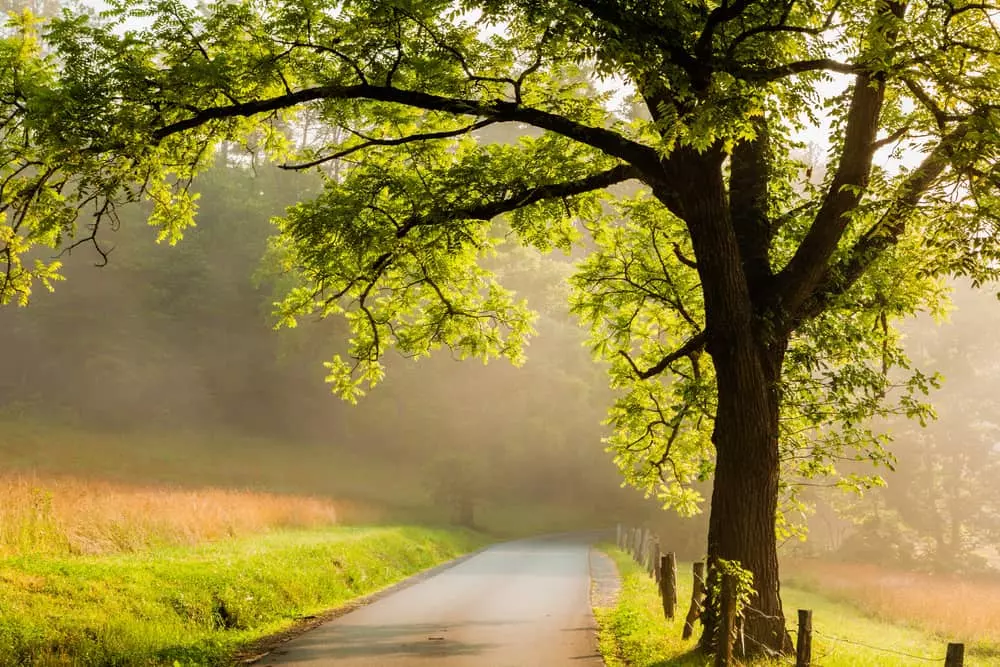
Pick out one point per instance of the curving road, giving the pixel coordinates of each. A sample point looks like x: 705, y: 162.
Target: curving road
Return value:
x: 517, y: 604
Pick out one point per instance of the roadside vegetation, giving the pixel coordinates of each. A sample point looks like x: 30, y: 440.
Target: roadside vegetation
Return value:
x: 847, y: 633
x: 97, y: 573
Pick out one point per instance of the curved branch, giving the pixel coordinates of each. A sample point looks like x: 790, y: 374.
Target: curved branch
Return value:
x: 369, y: 142
x: 798, y: 67
x: 524, y: 196
x: 499, y: 111
x: 694, y: 344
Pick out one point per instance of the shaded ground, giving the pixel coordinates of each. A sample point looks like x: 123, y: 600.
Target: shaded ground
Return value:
x: 517, y: 604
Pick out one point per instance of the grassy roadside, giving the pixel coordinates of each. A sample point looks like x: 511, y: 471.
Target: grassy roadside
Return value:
x: 198, y: 605
x: 634, y: 633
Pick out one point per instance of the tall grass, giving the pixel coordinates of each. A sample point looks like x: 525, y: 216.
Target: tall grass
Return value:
x: 67, y: 515
x: 963, y: 608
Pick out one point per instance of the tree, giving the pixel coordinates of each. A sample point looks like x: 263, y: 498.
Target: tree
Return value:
x: 745, y: 311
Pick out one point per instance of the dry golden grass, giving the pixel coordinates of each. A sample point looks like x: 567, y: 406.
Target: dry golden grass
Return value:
x: 963, y: 608
x: 61, y: 514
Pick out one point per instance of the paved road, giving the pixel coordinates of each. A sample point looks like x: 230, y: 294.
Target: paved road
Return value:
x: 518, y: 604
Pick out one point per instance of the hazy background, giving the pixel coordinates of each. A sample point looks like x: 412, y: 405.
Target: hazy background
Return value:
x: 163, y: 367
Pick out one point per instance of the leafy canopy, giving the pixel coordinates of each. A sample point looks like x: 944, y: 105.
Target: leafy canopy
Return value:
x: 97, y: 113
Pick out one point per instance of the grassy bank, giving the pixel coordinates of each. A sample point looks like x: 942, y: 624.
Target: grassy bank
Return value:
x: 198, y: 605
x: 635, y: 633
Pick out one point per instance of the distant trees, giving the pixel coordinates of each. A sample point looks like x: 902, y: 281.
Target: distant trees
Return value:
x: 942, y: 503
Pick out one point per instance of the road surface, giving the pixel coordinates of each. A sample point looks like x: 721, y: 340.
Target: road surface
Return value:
x: 517, y: 604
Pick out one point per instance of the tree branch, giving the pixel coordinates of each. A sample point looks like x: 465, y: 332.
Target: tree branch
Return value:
x: 802, y: 273
x: 887, y: 230
x: 369, y: 142
x: 499, y: 111
x: 724, y: 13
x: 692, y: 346
x: 524, y: 196
x: 798, y: 67
x: 805, y: 268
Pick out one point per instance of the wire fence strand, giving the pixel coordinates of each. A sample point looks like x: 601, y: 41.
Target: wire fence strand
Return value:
x: 877, y: 648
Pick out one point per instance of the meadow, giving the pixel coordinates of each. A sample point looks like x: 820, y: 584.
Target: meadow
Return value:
x: 962, y: 608
x: 64, y: 515
x: 847, y: 633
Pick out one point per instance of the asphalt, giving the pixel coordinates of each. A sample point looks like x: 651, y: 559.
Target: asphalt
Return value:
x: 517, y: 604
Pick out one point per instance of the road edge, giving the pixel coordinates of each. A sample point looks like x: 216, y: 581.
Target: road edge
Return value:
x: 263, y: 647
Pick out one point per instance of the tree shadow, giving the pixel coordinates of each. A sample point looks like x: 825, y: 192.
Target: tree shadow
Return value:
x: 362, y: 642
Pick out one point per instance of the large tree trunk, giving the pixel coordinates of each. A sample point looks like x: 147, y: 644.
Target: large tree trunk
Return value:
x: 745, y: 493
x: 747, y: 352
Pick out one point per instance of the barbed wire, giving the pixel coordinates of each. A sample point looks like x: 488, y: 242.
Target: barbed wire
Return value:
x: 877, y: 648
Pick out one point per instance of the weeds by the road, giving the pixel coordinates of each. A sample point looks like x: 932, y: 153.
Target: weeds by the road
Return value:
x: 635, y: 632
x: 67, y: 515
x: 199, y: 605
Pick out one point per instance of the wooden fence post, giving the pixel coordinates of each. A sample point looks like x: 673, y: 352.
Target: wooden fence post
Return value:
x: 618, y: 535
x: 727, y: 622
x: 653, y: 558
x: 697, y: 593
x: 668, y: 583
x: 955, y: 656
x: 803, y: 644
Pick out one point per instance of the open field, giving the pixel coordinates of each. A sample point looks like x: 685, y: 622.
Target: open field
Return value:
x: 197, y: 460
x: 635, y: 632
x: 368, y: 489
x: 199, y: 605
x: 967, y: 609
x: 58, y: 514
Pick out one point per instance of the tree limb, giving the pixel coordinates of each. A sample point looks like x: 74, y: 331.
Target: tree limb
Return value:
x: 802, y: 272
x: 887, y: 230
x: 522, y: 197
x: 798, y: 67
x: 692, y: 346
x: 603, y: 139
x: 369, y: 142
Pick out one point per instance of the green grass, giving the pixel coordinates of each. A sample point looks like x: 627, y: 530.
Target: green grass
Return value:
x: 199, y: 605
x: 635, y: 632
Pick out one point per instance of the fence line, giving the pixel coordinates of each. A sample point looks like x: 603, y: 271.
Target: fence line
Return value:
x: 644, y: 547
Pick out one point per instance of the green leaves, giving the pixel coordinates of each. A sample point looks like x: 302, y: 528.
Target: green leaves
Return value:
x: 400, y: 107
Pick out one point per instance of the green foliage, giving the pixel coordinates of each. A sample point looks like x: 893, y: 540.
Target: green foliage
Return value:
x: 724, y: 241
x: 200, y: 605
x: 743, y: 591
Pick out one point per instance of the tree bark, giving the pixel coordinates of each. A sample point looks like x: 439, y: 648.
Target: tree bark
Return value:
x: 745, y: 492
x: 747, y: 348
